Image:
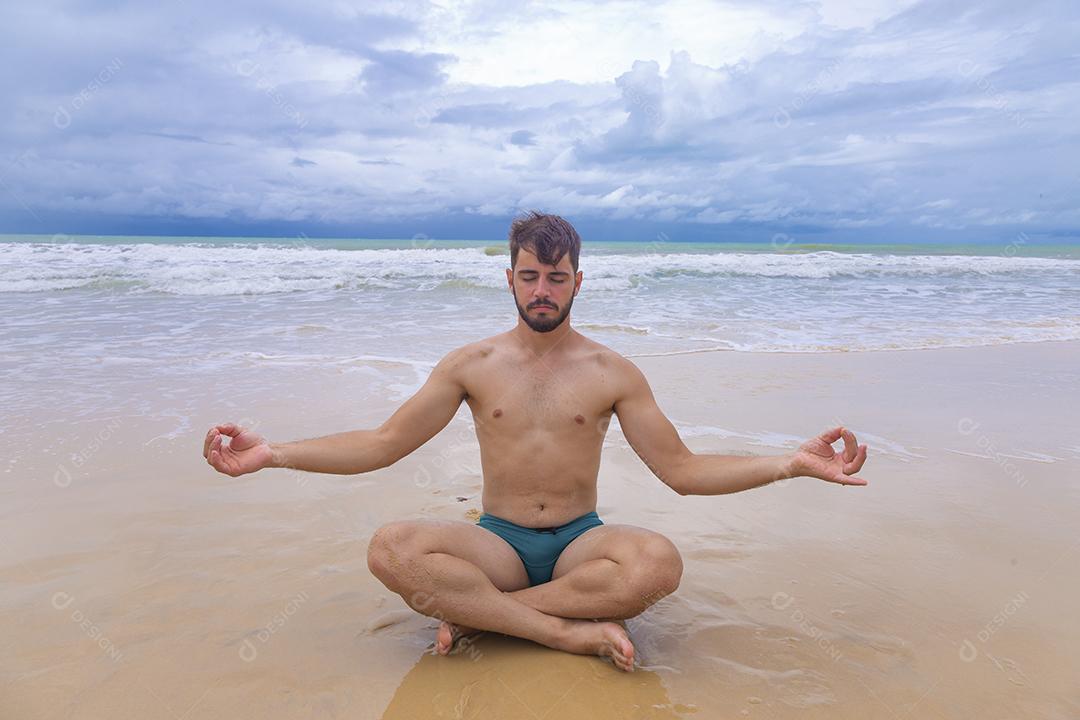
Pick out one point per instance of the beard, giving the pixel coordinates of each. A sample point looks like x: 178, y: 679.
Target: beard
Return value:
x: 544, y: 324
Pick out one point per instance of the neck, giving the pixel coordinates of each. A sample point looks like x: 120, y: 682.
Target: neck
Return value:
x: 541, y: 343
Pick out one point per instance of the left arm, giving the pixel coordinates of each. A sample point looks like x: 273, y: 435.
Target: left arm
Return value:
x: 657, y: 443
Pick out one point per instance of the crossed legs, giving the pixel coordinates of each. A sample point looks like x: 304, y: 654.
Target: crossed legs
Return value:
x: 469, y: 578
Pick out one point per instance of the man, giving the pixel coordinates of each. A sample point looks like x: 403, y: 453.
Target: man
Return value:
x: 539, y: 563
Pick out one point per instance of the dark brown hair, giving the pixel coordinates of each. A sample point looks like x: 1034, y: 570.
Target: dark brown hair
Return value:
x: 548, y: 237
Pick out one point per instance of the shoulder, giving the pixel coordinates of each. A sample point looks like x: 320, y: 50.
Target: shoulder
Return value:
x: 600, y: 354
x: 617, y: 370
x: 466, y: 356
x: 462, y: 364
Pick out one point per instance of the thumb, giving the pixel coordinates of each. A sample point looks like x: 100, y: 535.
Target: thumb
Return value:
x: 245, y: 440
x: 832, y: 434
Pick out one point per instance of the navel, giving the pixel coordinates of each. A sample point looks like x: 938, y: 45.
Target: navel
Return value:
x: 497, y: 413
x: 579, y: 419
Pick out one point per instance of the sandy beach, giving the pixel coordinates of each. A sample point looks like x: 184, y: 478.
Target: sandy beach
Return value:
x: 136, y: 582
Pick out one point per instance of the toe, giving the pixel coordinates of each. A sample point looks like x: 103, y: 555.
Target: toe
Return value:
x: 621, y: 649
x: 444, y: 639
x: 625, y: 659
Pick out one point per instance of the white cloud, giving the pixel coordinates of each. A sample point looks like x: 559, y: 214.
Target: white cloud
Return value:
x: 590, y: 42
x: 824, y: 114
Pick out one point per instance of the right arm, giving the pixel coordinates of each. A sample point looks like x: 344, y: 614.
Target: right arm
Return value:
x: 357, y: 451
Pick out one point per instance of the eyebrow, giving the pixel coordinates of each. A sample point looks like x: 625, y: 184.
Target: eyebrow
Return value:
x: 553, y: 272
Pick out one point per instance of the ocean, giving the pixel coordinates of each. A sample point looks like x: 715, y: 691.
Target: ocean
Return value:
x: 342, y: 295
x: 149, y: 307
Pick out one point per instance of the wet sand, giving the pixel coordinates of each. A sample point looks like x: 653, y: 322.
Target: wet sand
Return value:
x: 136, y: 582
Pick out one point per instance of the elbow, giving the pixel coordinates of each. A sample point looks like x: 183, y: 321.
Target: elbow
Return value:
x: 677, y: 481
x: 681, y: 489
x: 678, y: 476
x: 387, y: 449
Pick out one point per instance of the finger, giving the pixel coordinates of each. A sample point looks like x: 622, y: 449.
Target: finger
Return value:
x: 215, y: 445
x: 229, y: 429
x: 842, y: 479
x: 210, y: 435
x: 831, y: 435
x: 856, y: 465
x: 218, y: 461
x: 850, y: 446
x: 851, y: 480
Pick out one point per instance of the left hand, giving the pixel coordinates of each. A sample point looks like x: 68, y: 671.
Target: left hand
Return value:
x: 816, y: 458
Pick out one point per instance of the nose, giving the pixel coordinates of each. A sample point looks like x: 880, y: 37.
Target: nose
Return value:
x: 542, y: 293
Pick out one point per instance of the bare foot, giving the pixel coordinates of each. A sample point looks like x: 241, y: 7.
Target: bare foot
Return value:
x: 606, y: 639
x: 448, y: 634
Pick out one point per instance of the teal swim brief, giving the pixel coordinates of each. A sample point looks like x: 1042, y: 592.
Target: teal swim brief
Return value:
x: 539, y: 548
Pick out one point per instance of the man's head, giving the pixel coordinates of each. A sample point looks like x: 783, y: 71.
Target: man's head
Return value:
x: 543, y: 274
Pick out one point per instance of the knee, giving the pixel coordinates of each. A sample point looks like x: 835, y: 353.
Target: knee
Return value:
x: 659, y: 568
x: 389, y: 551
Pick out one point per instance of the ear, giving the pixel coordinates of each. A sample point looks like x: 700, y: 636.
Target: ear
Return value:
x: 510, y: 279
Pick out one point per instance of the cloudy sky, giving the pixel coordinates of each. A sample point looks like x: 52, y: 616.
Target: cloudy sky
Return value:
x: 878, y: 120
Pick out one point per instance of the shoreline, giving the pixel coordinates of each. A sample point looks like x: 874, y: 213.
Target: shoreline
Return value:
x: 852, y: 352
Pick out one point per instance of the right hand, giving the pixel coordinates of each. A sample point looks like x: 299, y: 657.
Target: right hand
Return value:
x: 246, y: 452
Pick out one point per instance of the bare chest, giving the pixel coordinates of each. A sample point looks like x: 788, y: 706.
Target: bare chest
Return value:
x: 539, y: 398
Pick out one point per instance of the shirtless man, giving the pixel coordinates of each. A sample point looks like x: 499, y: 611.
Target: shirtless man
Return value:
x: 539, y: 564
